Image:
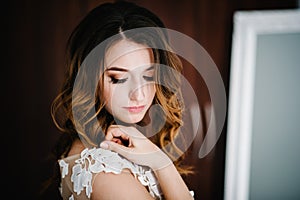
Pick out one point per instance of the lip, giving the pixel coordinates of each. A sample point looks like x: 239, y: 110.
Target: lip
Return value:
x: 135, y: 109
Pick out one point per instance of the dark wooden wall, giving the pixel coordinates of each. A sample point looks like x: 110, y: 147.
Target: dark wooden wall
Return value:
x: 34, y: 38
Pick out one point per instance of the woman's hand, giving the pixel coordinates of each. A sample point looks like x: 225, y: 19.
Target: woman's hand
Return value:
x: 133, y: 145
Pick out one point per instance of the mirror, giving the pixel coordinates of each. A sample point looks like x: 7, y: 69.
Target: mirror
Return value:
x: 263, y: 135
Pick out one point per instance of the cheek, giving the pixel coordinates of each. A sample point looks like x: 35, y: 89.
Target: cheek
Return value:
x: 107, y: 97
x: 111, y: 96
x: 151, y: 92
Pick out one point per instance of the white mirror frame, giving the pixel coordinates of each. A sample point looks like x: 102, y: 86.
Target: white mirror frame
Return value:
x: 247, y: 26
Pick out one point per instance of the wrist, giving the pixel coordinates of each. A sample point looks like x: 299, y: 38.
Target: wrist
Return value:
x: 160, y: 161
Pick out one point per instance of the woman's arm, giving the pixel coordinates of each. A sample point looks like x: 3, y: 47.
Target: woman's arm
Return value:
x: 172, y: 184
x: 142, y: 151
x: 109, y: 186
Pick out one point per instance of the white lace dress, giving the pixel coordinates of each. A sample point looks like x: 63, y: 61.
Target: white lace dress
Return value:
x: 78, y: 173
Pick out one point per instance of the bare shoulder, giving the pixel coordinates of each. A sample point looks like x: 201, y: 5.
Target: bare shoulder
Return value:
x: 76, y: 147
x: 118, y: 186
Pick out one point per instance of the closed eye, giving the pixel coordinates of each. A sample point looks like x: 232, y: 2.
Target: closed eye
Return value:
x: 114, y: 80
x: 148, y: 78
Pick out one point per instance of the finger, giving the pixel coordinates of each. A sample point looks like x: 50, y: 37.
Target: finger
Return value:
x: 116, y: 133
x: 109, y: 133
x: 124, y: 142
x: 117, y: 140
x: 128, y: 130
x: 118, y: 136
x: 122, y: 150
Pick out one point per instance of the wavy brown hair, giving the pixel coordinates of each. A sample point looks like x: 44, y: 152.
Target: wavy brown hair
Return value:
x: 78, y: 110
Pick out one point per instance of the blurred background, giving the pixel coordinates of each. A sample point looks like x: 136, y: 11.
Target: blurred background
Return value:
x: 34, y: 37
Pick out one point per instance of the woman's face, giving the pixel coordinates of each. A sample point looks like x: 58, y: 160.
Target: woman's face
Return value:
x: 129, y: 87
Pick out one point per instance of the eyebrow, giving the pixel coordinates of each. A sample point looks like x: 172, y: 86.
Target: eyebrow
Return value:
x: 125, y: 70
x: 117, y: 69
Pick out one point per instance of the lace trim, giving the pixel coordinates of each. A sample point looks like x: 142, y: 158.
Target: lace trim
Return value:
x: 97, y: 160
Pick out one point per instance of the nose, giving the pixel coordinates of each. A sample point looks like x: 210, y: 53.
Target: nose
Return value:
x: 137, y: 94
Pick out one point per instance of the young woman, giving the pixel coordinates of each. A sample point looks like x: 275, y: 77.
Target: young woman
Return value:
x: 115, y: 144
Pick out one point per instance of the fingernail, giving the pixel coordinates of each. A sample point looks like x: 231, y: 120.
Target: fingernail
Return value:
x: 104, y: 145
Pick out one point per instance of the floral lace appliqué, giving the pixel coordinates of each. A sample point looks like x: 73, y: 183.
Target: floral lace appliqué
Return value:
x: 97, y: 160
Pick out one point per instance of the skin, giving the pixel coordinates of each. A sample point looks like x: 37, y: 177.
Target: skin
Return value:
x: 129, y: 75
x: 128, y: 91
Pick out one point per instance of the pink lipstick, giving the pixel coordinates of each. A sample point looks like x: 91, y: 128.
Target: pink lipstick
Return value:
x: 135, y: 109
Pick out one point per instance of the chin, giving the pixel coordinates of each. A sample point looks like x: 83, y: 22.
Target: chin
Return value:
x: 132, y: 119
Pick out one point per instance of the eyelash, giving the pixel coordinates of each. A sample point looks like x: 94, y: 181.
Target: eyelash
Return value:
x: 148, y: 78
x: 114, y: 80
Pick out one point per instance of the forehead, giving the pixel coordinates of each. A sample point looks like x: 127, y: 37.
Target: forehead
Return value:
x: 128, y: 55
